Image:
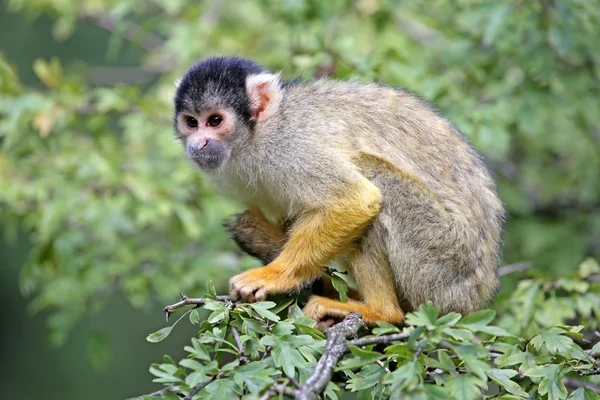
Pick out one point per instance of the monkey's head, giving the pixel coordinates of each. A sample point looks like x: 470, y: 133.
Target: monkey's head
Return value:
x: 218, y: 103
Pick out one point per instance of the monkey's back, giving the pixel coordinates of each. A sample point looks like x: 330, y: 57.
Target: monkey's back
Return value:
x: 440, y: 209
x: 405, y: 132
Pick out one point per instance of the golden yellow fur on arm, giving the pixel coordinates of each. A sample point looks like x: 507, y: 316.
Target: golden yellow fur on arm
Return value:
x: 314, y: 239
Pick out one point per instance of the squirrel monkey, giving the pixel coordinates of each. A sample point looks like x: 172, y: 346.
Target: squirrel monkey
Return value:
x: 365, y: 174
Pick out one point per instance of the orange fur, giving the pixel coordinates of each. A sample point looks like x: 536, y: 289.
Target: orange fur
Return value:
x: 313, y: 240
x: 318, y: 308
x: 373, y: 276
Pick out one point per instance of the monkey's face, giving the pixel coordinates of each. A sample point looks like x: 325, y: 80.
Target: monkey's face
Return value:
x: 207, y: 135
x: 218, y: 104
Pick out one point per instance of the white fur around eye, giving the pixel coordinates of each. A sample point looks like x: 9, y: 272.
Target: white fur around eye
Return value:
x: 264, y: 93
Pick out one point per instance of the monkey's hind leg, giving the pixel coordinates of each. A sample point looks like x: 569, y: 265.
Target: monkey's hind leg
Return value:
x: 373, y: 275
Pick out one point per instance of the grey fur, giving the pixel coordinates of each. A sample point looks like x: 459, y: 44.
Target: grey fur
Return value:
x: 439, y: 228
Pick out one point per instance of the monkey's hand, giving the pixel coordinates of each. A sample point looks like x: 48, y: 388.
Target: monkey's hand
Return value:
x: 255, y: 284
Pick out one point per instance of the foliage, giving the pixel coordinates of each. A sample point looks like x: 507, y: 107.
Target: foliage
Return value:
x: 250, y: 349
x: 89, y: 169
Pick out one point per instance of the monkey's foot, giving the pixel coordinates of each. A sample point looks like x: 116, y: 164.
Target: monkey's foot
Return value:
x: 326, y: 311
x: 255, y: 284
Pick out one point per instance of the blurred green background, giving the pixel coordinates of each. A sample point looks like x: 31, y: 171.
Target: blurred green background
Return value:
x: 103, y: 221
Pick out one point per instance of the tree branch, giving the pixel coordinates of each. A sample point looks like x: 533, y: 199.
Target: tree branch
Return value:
x: 334, y: 350
x: 593, y: 371
x: 516, y: 267
x: 380, y: 339
x: 238, y: 341
x: 201, y: 386
x: 185, y: 301
x: 277, y: 390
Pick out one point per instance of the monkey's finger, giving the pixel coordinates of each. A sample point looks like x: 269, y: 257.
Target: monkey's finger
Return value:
x: 247, y: 293
x: 233, y: 293
x: 261, y: 294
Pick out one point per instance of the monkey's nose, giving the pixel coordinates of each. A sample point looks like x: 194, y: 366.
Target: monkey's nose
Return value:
x: 204, y: 145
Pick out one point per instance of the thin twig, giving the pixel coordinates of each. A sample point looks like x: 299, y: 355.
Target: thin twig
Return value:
x: 419, y: 351
x: 380, y: 339
x: 185, y: 301
x: 516, y: 267
x: 238, y: 341
x: 157, y: 393
x: 593, y: 371
x: 382, y: 365
x: 202, y: 386
x: 277, y: 390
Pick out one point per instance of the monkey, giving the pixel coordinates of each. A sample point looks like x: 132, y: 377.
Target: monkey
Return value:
x: 364, y: 174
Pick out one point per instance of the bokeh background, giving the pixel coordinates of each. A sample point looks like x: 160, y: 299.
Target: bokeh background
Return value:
x: 102, y: 221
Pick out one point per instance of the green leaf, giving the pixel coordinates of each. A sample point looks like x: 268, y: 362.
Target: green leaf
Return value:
x: 164, y: 373
x: 195, y: 317
x: 191, y: 364
x: 283, y: 328
x: 255, y: 375
x: 407, y: 377
x: 159, y: 335
x: 360, y: 359
x: 368, y: 377
x: 583, y: 393
x: 461, y: 335
x: 554, y: 340
x: 588, y: 267
x: 168, y: 360
x: 383, y: 328
x: 478, y: 319
x: 198, y: 350
x: 252, y: 326
x: 549, y: 381
x: 262, y: 308
x: 211, y: 293
x: 573, y: 285
x: 338, y: 281
x: 218, y: 315
x: 282, y: 305
x: 443, y: 362
x: 502, y: 378
x: 435, y: 392
x: 466, y: 387
x: 448, y: 320
x: 222, y: 389
x: 425, y: 316
x: 331, y: 391
x: 162, y: 333
x: 306, y: 326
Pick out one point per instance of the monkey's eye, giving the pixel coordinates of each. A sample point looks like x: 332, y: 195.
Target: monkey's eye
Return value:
x: 214, y: 120
x: 191, y: 122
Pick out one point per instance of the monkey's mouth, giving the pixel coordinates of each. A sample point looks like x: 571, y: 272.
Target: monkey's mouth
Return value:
x: 207, y: 162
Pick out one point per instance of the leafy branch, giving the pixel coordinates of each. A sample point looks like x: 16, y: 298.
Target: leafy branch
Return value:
x: 270, y: 350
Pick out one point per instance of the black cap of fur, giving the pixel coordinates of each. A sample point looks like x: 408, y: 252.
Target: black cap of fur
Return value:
x: 225, y: 76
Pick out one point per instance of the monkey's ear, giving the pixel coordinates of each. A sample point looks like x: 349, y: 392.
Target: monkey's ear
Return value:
x: 264, y: 93
x: 177, y: 82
